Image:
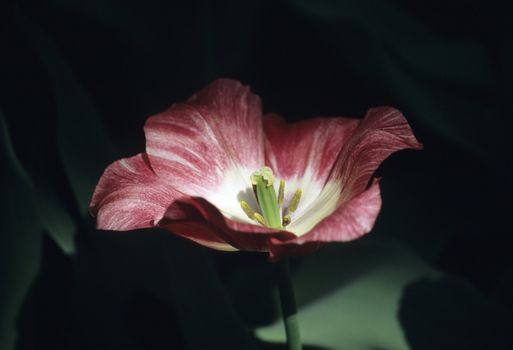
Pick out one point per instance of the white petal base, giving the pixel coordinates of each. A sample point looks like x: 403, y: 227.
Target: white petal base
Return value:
x: 317, y: 202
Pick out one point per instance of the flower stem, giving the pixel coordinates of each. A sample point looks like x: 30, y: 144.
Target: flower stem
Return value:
x: 288, y: 306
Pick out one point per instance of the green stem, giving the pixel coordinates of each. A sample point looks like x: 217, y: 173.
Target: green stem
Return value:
x: 288, y: 306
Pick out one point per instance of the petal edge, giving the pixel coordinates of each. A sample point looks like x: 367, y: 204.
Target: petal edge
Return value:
x: 130, y: 196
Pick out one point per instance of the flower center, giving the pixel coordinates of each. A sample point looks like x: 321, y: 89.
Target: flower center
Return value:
x: 270, y: 213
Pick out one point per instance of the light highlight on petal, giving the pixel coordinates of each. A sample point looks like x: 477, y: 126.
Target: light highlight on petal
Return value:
x: 194, y: 144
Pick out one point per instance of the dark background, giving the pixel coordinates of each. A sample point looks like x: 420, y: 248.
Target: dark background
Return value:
x: 79, y: 78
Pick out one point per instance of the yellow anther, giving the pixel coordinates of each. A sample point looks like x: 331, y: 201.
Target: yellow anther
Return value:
x: 295, y: 201
x: 286, y: 220
x: 281, y: 193
x: 247, y: 210
x: 253, y: 215
x: 260, y: 219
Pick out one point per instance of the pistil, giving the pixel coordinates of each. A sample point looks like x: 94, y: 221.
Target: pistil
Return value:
x: 263, y: 181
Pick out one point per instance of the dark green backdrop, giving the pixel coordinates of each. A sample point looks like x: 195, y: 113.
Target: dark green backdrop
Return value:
x: 79, y: 78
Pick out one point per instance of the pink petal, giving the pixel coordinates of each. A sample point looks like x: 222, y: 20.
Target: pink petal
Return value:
x: 350, y: 220
x: 130, y: 196
x: 200, y: 232
x: 305, y: 147
x: 383, y: 131
x: 195, y: 144
x: 212, y: 225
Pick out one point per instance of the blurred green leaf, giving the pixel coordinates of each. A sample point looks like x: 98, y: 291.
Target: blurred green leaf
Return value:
x: 201, y: 301
x: 449, y: 313
x: 83, y: 144
x: 56, y: 218
x: 20, y: 238
x: 418, y: 49
x: 181, y: 275
x: 348, y: 296
x: 447, y: 84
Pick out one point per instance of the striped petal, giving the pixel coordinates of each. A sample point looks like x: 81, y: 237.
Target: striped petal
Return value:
x: 208, y: 146
x: 130, y: 196
x: 306, y: 148
x: 345, y: 209
x: 383, y: 131
x: 349, y: 221
x: 303, y: 154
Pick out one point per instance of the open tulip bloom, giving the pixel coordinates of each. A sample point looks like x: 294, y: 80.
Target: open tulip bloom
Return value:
x: 217, y: 172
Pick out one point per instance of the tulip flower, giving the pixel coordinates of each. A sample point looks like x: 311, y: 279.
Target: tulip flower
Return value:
x: 218, y: 172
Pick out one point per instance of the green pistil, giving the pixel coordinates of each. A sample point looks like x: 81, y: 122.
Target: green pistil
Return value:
x: 263, y: 181
x: 270, y: 204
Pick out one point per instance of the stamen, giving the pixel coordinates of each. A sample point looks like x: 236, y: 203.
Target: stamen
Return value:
x: 281, y: 193
x: 295, y: 201
x: 247, y: 210
x: 253, y: 215
x: 260, y: 219
x: 270, y: 205
x: 286, y: 220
